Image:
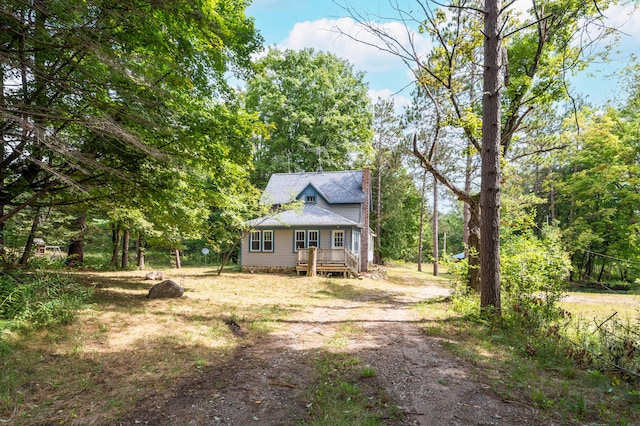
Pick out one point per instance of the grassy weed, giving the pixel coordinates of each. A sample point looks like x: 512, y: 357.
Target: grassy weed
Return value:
x: 534, y: 368
x: 344, y: 393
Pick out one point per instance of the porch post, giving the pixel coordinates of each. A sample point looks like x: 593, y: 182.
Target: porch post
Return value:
x: 311, y: 263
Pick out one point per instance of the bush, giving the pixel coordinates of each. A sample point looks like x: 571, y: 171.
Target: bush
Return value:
x: 533, y: 277
x: 533, y: 273
x: 36, y: 300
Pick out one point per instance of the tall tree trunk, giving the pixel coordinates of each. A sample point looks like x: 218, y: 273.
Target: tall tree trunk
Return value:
x: 140, y: 251
x: 588, y: 268
x: 28, y: 247
x: 2, y: 156
x: 552, y: 197
x: 115, y: 241
x: 177, y: 256
x: 422, y: 209
x: 436, y: 249
x: 468, y: 172
x: 378, y: 254
x: 126, y: 236
x: 604, y: 263
x: 466, y: 209
x: 75, y: 252
x: 474, y: 246
x: 490, y: 176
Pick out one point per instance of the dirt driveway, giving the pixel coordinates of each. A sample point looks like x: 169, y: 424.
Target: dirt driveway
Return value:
x: 264, y: 383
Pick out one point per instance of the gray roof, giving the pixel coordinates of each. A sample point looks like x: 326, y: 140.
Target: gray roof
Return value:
x: 335, y: 187
x: 309, y: 215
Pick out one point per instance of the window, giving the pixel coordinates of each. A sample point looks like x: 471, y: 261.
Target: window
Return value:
x: 300, y: 240
x: 312, y: 240
x: 254, y: 241
x: 310, y: 199
x: 356, y: 241
x: 261, y: 241
x: 337, y: 239
x: 267, y: 240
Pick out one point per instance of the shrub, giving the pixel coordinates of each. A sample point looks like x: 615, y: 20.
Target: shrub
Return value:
x: 533, y: 276
x: 533, y: 272
x: 36, y: 300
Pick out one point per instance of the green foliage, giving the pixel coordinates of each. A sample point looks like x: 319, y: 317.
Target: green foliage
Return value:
x: 316, y: 110
x: 597, y: 186
x: 400, y: 215
x: 533, y: 271
x: 533, y: 274
x: 120, y: 85
x: 40, y: 300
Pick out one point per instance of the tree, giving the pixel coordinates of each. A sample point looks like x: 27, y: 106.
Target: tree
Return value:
x: 598, y: 195
x: 538, y: 53
x: 490, y: 154
x: 123, y: 105
x: 400, y: 212
x: 316, y: 110
x: 94, y: 95
x: 387, y: 145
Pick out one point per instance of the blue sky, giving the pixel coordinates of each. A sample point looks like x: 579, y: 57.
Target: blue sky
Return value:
x: 298, y: 24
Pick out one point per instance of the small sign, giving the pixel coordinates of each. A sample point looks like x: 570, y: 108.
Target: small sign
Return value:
x: 205, y: 251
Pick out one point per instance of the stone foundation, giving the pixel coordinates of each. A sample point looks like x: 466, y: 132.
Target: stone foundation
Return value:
x: 269, y: 269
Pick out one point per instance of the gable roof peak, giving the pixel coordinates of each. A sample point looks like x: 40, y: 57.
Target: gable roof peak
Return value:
x: 336, y: 187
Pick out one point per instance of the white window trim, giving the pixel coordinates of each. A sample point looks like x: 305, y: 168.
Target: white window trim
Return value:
x: 317, y: 235
x: 355, y: 241
x: 272, y: 240
x: 251, y: 241
x: 296, y: 240
x: 333, y: 238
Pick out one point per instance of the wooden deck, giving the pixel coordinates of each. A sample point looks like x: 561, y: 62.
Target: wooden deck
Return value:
x: 329, y: 261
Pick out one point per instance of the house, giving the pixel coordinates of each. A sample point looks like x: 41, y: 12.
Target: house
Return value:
x: 334, y: 218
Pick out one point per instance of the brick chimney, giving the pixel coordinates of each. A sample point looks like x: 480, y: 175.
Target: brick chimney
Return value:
x: 366, y: 206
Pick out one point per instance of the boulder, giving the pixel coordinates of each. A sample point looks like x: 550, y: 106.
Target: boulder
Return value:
x: 165, y: 289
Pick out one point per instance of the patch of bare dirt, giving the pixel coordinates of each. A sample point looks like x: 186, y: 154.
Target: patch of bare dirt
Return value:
x: 264, y: 384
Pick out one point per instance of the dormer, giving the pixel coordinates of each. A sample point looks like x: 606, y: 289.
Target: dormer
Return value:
x: 310, y: 195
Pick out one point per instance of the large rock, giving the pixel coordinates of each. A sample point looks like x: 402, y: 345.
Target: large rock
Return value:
x: 165, y: 289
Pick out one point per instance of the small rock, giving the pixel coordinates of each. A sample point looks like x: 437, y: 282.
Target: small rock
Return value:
x: 155, y: 275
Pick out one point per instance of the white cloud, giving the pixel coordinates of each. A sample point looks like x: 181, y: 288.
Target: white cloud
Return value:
x: 386, y: 73
x: 625, y: 18
x: 399, y: 101
x: 351, y: 40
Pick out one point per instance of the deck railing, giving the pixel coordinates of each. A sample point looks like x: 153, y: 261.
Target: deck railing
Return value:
x: 340, y: 256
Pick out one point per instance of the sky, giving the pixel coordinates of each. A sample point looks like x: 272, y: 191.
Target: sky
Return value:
x: 297, y: 24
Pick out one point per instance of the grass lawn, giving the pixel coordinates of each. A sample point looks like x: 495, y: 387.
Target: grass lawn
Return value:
x: 125, y: 346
